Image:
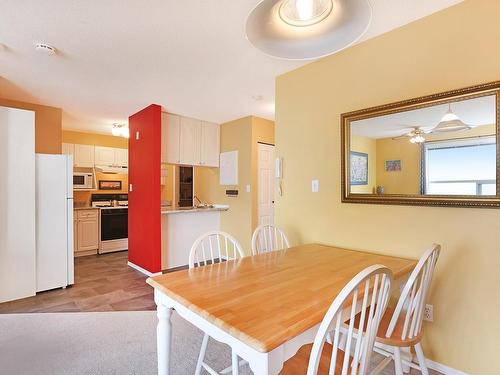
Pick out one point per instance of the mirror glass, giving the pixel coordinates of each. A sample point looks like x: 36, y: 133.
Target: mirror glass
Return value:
x: 441, y: 149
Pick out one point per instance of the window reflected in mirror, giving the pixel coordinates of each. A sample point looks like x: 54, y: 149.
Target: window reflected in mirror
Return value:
x: 443, y: 149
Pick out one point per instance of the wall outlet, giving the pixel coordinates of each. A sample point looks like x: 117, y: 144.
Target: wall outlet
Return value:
x: 429, y: 313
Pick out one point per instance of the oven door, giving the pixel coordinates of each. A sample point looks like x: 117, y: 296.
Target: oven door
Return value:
x: 114, y: 224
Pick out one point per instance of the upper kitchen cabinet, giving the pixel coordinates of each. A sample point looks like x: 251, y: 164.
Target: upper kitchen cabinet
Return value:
x: 190, y: 145
x: 68, y: 149
x: 84, y: 156
x: 210, y: 144
x: 121, y: 157
x: 170, y: 138
x: 110, y: 156
x: 188, y: 141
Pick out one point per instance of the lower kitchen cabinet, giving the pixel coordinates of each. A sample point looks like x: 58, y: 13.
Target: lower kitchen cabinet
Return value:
x: 86, y: 232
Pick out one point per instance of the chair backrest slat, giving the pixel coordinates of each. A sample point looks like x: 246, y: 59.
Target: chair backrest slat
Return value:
x: 268, y: 238
x: 203, y: 249
x: 372, y: 285
x: 413, y: 298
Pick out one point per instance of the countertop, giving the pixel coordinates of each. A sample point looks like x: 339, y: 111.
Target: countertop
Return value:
x: 176, y: 210
x: 77, y: 208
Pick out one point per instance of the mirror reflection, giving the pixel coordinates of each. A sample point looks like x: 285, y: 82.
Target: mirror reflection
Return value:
x: 443, y: 149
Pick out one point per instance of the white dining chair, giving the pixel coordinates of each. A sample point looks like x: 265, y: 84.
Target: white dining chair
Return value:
x: 267, y: 238
x: 367, y: 292
x: 210, y: 248
x: 401, y: 327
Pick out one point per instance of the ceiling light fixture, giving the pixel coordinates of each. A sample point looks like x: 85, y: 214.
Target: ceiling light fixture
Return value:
x: 307, y: 29
x: 304, y: 12
x: 450, y: 123
x: 417, y: 139
x: 45, y: 48
x: 120, y: 130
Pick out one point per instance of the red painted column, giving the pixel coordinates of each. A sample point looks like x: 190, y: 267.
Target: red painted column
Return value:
x: 144, y: 216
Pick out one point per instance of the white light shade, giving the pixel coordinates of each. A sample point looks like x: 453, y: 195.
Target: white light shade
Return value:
x: 307, y: 29
x: 450, y: 123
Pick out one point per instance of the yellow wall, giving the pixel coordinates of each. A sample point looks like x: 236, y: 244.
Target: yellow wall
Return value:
x: 242, y: 135
x: 406, y: 181
x: 367, y: 146
x: 447, y: 50
x: 83, y: 197
x: 83, y: 138
x: 48, y: 125
x: 234, y: 135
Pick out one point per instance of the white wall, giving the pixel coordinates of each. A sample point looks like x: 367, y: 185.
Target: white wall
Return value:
x: 17, y: 204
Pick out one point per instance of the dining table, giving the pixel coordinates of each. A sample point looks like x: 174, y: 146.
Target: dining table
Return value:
x: 266, y: 306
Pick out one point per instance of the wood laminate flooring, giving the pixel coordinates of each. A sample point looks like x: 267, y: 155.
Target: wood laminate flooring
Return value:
x: 102, y: 283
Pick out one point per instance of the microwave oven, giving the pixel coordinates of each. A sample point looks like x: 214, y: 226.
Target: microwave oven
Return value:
x: 83, y: 180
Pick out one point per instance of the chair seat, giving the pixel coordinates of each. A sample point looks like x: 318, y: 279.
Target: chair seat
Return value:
x: 395, y: 339
x: 297, y: 365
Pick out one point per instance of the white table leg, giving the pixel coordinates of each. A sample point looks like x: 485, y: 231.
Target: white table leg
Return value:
x: 164, y: 339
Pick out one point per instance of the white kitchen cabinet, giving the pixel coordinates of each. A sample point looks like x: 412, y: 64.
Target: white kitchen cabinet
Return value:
x: 110, y: 156
x: 121, y: 157
x: 209, y: 144
x: 87, y: 232
x: 170, y: 138
x: 84, y: 156
x: 68, y: 149
x: 190, y: 141
x: 104, y: 155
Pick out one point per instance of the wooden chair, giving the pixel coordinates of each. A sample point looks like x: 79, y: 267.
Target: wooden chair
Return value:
x: 210, y: 248
x: 267, y: 238
x: 367, y: 292
x: 401, y: 327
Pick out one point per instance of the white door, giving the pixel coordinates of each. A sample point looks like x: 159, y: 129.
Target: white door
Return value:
x: 209, y: 144
x: 190, y: 141
x: 121, y: 157
x: 84, y: 155
x: 170, y: 133
x: 265, y: 184
x: 104, y: 155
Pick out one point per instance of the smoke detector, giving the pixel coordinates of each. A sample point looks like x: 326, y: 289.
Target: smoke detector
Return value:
x: 45, y: 48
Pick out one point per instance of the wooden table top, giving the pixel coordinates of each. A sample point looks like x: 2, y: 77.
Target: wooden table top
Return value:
x: 266, y: 300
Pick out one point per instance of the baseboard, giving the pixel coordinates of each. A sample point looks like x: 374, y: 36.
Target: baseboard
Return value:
x: 142, y: 270
x: 436, y: 366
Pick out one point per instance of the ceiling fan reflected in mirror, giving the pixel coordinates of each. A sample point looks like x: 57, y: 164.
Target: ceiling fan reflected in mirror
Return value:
x: 450, y: 122
x: 417, y: 135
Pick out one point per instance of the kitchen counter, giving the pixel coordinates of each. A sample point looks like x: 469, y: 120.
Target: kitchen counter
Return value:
x: 77, y: 208
x: 177, y: 210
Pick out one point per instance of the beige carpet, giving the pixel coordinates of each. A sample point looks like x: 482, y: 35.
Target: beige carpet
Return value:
x: 104, y: 343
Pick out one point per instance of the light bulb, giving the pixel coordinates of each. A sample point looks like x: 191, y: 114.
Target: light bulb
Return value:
x: 116, y: 131
x: 304, y: 12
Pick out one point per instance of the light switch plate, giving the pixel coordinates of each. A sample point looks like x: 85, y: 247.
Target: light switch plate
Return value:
x: 248, y: 188
x: 315, y: 186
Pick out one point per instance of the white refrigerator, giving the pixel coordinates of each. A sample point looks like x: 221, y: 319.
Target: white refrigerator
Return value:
x: 54, y: 221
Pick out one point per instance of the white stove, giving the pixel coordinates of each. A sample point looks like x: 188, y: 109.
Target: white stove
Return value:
x: 113, y: 221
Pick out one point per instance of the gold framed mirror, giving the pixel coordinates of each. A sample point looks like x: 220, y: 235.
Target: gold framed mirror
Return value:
x: 436, y: 150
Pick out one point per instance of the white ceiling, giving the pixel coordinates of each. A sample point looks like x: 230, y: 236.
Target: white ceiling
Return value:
x: 475, y: 112
x: 116, y: 57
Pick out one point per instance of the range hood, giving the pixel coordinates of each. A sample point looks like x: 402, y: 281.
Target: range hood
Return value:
x: 111, y: 169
